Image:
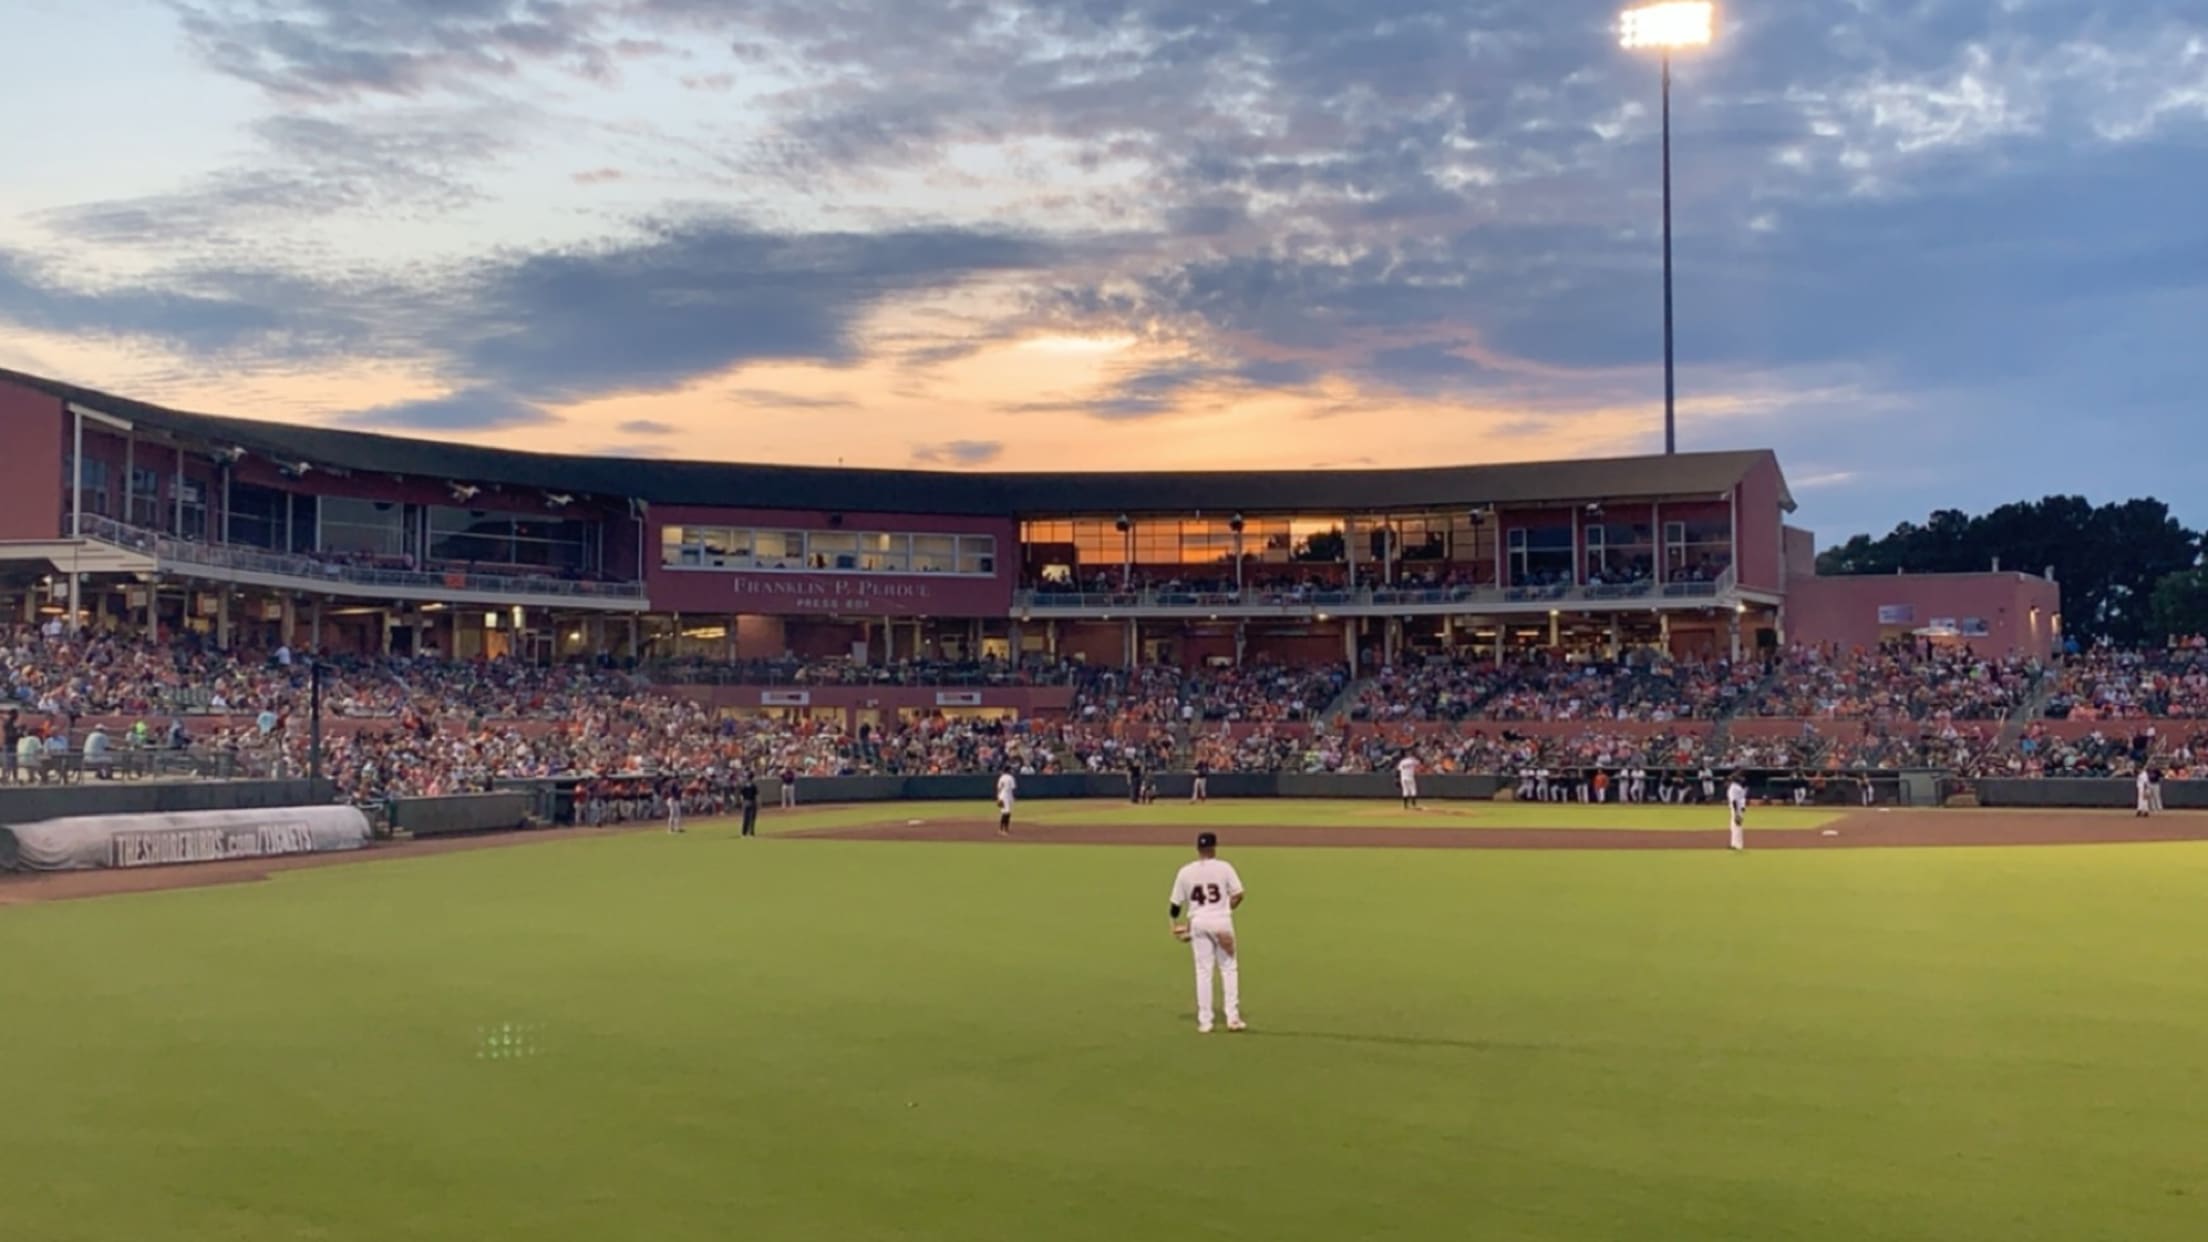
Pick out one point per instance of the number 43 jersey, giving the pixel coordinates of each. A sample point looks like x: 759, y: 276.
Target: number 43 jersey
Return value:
x: 1206, y: 889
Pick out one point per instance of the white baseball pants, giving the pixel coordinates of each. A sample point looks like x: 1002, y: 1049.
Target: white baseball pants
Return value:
x: 1210, y: 955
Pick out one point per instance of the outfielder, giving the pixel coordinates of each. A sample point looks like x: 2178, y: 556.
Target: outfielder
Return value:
x: 1008, y: 787
x: 1736, y: 799
x: 1210, y: 890
x: 1406, y: 775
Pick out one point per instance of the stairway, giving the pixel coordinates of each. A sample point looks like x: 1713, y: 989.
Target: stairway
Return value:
x: 2033, y: 706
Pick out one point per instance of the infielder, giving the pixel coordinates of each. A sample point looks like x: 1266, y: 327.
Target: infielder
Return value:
x: 1210, y: 890
x: 1406, y: 775
x: 1008, y: 788
x: 1736, y: 798
x: 2146, y: 795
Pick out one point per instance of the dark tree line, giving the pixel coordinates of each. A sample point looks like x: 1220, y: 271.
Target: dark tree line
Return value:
x: 2130, y: 572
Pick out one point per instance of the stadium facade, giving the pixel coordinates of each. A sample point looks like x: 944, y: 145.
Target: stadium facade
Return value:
x: 260, y: 533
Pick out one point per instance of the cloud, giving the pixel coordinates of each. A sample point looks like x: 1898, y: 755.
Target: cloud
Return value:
x: 472, y: 410
x: 305, y: 167
x: 788, y: 400
x: 957, y: 453
x: 645, y: 427
x: 597, y: 176
x: 326, y: 50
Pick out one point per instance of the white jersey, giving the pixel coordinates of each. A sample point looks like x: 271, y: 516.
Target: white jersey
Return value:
x: 1736, y: 797
x: 1206, y: 889
x: 1007, y: 785
x: 1406, y: 772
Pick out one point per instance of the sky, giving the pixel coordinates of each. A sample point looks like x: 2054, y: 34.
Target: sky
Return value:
x: 1936, y: 253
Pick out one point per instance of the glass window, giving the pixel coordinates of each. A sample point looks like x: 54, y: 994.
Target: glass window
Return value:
x: 889, y: 554
x: 934, y: 554
x: 833, y: 550
x: 977, y: 554
x: 363, y: 527
x: 781, y: 549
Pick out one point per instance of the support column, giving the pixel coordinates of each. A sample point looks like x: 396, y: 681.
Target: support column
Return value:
x: 1732, y: 631
x: 636, y: 638
x: 1663, y: 631
x: 1556, y: 629
x: 1502, y: 639
x: 1241, y: 640
x: 76, y: 520
x: 1391, y: 640
x: 222, y: 620
x: 1050, y: 638
x: 290, y: 621
x: 1349, y: 643
x: 732, y: 639
x: 1134, y: 643
x: 1617, y: 640
x: 152, y: 610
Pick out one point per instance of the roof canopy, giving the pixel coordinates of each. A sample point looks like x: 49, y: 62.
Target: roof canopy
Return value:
x: 1057, y: 494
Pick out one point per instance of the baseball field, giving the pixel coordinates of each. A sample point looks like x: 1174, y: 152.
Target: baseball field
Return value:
x: 885, y: 1023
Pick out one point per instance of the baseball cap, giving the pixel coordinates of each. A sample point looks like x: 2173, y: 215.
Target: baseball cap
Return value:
x: 1207, y: 840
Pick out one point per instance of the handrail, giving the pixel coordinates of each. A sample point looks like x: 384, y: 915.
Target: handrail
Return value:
x: 1315, y: 600
x: 252, y: 560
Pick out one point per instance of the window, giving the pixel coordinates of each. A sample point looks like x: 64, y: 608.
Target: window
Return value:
x: 95, y: 484
x: 363, y: 527
x: 1541, y: 556
x: 145, y: 498
x: 977, y: 554
x: 256, y: 517
x: 824, y: 551
x: 195, y: 509
x: 934, y: 554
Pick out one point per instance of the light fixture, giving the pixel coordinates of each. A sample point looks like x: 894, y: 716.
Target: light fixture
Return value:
x: 464, y: 492
x: 1669, y: 25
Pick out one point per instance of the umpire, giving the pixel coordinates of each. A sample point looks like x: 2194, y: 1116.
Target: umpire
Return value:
x: 748, y: 794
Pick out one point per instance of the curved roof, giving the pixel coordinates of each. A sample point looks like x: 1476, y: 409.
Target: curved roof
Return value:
x: 966, y: 493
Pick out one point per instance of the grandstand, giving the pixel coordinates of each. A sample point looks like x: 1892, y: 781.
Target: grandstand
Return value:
x: 484, y: 614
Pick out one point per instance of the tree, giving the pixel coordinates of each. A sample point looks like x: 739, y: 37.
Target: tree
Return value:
x: 2180, y: 603
x: 2108, y: 560
x: 1324, y: 546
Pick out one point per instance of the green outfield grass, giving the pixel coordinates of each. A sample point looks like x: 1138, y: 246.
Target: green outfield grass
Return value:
x: 1308, y: 813
x: 785, y: 1039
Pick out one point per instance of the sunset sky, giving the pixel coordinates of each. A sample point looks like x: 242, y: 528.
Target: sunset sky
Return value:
x: 1934, y: 252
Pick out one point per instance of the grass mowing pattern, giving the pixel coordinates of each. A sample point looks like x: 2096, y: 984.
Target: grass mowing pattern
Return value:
x: 725, y: 1037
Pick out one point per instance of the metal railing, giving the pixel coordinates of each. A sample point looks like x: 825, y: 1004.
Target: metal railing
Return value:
x: 1324, y: 600
x: 171, y: 551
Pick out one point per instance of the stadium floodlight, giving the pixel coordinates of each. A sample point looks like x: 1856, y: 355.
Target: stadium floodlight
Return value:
x: 1668, y: 27
x: 1673, y: 24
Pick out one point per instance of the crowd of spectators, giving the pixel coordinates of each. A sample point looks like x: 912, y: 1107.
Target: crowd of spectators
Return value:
x: 1894, y: 683
x: 2105, y: 683
x: 421, y: 726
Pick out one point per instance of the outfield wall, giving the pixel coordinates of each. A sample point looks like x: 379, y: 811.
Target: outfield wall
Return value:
x: 23, y: 804
x: 460, y: 814
x: 2114, y: 794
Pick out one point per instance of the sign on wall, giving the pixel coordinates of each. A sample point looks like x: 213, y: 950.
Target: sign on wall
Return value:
x: 958, y: 698
x: 785, y: 698
x: 836, y: 593
x: 1976, y: 627
x: 1897, y: 614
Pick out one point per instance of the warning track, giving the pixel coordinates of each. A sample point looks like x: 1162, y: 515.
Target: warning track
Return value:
x: 1859, y: 830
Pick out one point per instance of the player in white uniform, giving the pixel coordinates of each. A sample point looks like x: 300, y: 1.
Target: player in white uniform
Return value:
x: 1008, y: 787
x: 1406, y: 775
x: 1210, y: 890
x: 2146, y: 795
x: 1736, y: 800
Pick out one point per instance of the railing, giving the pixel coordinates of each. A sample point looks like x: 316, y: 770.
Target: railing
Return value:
x: 930, y: 677
x: 173, y: 551
x: 1294, y: 601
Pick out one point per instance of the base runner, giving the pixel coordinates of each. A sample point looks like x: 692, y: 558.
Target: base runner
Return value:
x: 1210, y: 890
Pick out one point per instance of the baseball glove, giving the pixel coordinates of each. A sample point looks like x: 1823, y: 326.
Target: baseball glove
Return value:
x: 1180, y: 931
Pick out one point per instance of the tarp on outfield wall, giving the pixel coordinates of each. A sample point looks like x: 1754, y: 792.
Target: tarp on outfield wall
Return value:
x: 91, y: 842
